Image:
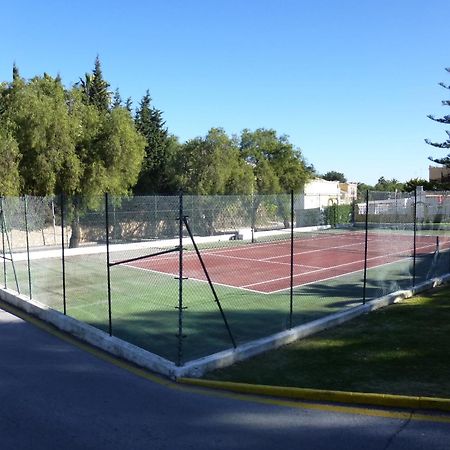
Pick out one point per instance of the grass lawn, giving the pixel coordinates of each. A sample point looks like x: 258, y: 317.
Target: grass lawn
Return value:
x: 401, y: 349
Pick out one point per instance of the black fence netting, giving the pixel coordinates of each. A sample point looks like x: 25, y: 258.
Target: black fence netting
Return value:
x: 185, y: 276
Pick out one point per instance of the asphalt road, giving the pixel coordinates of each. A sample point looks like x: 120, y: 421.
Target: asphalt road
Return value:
x: 56, y: 395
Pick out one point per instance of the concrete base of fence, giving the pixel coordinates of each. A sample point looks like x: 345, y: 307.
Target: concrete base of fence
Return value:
x: 90, y: 334
x: 198, y: 367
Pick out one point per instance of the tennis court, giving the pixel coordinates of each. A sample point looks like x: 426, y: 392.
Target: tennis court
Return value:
x: 146, y: 300
x: 265, y: 268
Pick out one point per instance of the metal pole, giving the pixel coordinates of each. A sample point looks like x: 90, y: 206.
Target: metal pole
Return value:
x: 253, y: 215
x: 3, y: 242
x: 25, y: 207
x: 291, y: 293
x: 180, y: 281
x: 415, y: 238
x: 107, y: 263
x: 63, y: 255
x: 11, y: 258
x: 335, y: 209
x: 205, y: 271
x: 366, y: 247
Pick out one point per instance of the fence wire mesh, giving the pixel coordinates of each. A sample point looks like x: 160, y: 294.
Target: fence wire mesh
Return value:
x: 144, y: 267
x: 187, y: 276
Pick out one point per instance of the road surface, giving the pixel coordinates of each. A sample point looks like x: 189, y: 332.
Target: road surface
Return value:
x: 56, y: 395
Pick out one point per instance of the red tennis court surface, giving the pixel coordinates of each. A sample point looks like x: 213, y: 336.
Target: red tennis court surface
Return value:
x: 265, y: 267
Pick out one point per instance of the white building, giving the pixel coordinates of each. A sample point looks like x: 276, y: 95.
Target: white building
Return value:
x: 319, y: 193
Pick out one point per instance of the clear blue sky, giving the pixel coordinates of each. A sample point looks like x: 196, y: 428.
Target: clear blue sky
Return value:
x: 349, y: 81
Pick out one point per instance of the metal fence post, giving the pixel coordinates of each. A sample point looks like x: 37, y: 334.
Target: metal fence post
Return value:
x: 291, y: 293
x: 25, y: 209
x: 415, y: 239
x: 3, y: 242
x: 108, y: 273
x: 62, y: 253
x: 366, y: 247
x: 8, y: 242
x: 180, y: 281
x: 253, y: 216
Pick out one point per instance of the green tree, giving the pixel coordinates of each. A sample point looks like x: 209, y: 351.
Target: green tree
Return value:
x: 129, y: 104
x: 117, y: 99
x: 10, y: 180
x: 157, y: 173
x: 109, y: 152
x: 413, y: 183
x: 332, y: 175
x: 388, y: 185
x: 95, y: 88
x: 362, y: 188
x: 277, y: 165
x: 444, y: 120
x: 44, y: 132
x: 63, y: 144
x: 212, y: 165
x: 9, y: 169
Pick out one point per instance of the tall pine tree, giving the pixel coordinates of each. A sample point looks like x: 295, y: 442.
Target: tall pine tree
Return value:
x: 445, y: 120
x: 95, y: 88
x: 155, y: 176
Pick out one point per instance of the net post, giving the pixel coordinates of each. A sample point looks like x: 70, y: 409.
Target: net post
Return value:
x: 291, y: 292
x: 415, y: 239
x: 366, y: 240
x: 63, y: 258
x: 25, y: 210
x: 108, y: 270
x: 180, y: 280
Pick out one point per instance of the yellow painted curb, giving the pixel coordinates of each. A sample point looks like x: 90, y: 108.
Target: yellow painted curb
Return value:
x: 388, y: 400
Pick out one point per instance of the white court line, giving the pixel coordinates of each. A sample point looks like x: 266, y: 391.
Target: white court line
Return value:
x: 331, y: 268
x: 312, y: 251
x: 270, y: 258
x: 253, y: 260
x: 249, y: 247
x: 174, y: 275
x: 247, y: 287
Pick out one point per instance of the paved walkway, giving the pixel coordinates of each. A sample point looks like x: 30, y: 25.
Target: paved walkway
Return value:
x: 54, y: 395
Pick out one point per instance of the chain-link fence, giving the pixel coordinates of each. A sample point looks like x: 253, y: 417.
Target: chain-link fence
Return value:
x: 187, y: 276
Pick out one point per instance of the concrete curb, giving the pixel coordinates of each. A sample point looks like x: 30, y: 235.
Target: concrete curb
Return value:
x: 90, y: 334
x: 317, y: 395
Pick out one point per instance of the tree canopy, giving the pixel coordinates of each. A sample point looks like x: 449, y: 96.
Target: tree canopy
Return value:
x: 157, y: 175
x: 9, y: 169
x: 277, y: 165
x: 84, y: 140
x: 332, y: 175
x: 388, y: 185
x: 212, y: 165
x: 445, y: 120
x: 56, y: 139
